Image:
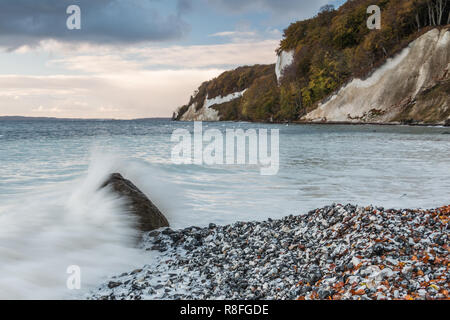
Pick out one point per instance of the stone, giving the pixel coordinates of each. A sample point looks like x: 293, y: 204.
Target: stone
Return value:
x: 112, y: 284
x: 246, y: 260
x: 355, y: 261
x: 149, y: 216
x: 378, y: 249
x: 324, y: 294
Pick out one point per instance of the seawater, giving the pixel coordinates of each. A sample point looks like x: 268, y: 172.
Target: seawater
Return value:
x: 53, y: 215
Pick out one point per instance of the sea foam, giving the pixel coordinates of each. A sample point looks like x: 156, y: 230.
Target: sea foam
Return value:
x: 45, y: 232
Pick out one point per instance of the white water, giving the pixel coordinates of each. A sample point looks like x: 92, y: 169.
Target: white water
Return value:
x: 44, y: 233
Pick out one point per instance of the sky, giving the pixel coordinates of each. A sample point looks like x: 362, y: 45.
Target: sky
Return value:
x: 131, y: 58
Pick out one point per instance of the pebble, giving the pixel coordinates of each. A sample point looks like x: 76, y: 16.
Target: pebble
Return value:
x: 337, y: 252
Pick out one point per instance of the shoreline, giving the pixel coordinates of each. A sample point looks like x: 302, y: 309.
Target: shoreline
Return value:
x: 349, y: 123
x: 343, y: 123
x: 332, y: 253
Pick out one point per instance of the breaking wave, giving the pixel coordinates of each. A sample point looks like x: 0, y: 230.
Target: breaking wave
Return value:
x: 74, y: 223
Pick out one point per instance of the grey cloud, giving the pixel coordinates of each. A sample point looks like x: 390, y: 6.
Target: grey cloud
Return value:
x: 27, y: 22
x: 184, y: 6
x: 280, y: 9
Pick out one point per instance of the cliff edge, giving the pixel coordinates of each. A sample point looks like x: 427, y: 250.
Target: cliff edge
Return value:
x: 333, y: 68
x: 412, y: 87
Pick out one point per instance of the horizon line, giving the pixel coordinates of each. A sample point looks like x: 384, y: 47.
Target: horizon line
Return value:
x: 69, y: 118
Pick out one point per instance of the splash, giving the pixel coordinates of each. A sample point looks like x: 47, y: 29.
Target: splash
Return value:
x: 62, y: 225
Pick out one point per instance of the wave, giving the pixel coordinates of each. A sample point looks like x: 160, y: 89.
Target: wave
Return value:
x: 44, y: 232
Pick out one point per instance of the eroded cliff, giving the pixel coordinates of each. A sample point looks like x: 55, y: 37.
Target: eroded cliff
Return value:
x: 220, y: 98
x: 412, y: 87
x: 332, y: 68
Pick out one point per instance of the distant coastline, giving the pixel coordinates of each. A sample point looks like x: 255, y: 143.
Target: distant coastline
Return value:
x: 19, y: 118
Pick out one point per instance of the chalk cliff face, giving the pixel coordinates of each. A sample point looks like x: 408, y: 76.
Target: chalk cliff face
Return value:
x: 412, y: 87
x: 207, y: 113
x: 284, y: 60
x: 220, y: 98
x: 332, y: 68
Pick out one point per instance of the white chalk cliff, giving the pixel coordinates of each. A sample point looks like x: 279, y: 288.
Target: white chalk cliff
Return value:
x: 285, y: 59
x: 412, y: 87
x: 394, y: 87
x: 206, y: 113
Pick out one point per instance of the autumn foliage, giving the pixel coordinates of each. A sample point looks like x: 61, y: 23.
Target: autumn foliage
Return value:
x: 330, y: 50
x: 336, y: 45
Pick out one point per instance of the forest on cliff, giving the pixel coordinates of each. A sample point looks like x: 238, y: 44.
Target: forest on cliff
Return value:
x: 329, y: 50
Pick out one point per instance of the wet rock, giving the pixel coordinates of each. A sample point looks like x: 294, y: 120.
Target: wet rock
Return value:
x: 149, y: 216
x: 112, y: 284
x: 324, y: 294
x: 378, y: 249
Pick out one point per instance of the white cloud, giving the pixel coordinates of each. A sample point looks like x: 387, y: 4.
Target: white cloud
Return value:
x: 111, y: 60
x: 42, y: 109
x: 234, y: 34
x: 130, y: 82
x: 231, y: 54
x: 97, y: 63
x: 124, y: 96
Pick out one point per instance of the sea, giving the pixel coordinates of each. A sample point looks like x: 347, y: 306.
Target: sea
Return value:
x: 53, y: 214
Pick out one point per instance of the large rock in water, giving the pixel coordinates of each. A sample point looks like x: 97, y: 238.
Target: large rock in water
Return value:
x: 150, y: 218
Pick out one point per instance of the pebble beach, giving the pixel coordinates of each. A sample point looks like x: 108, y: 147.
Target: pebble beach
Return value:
x: 339, y: 252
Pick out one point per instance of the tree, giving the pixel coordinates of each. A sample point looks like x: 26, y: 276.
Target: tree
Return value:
x: 327, y: 8
x: 436, y: 10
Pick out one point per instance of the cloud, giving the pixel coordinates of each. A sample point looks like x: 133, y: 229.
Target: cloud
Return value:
x: 222, y: 56
x: 245, y: 35
x: 27, y: 22
x: 97, y: 64
x: 103, y: 78
x: 42, y: 109
x: 134, y: 82
x: 120, y: 96
x: 184, y: 6
x: 234, y: 34
x: 282, y: 10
